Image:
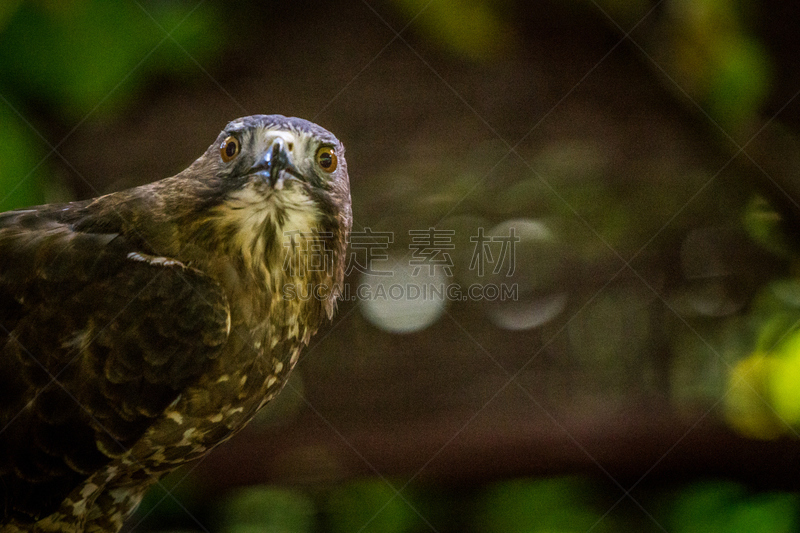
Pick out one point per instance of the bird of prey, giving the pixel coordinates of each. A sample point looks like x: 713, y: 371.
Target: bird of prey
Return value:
x: 140, y: 329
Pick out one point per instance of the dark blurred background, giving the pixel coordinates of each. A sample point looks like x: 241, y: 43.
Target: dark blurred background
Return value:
x: 628, y: 169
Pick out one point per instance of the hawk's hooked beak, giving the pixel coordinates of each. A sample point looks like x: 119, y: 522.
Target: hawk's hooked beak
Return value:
x: 275, y: 160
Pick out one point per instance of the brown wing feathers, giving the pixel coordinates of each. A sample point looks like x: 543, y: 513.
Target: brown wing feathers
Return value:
x: 94, y: 344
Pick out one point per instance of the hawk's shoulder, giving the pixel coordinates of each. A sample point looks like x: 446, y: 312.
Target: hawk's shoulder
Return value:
x: 98, y: 335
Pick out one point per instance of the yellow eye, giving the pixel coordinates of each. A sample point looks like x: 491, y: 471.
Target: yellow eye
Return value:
x: 229, y: 149
x: 326, y: 159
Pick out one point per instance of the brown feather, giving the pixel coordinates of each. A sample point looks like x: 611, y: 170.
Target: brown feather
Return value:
x: 140, y: 329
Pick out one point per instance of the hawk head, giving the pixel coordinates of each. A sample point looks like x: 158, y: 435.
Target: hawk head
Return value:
x: 271, y: 190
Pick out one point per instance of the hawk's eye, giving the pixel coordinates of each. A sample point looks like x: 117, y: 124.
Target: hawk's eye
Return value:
x: 326, y: 159
x: 229, y: 149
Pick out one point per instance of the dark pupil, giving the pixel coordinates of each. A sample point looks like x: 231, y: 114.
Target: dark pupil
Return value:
x: 325, y: 160
x: 230, y: 149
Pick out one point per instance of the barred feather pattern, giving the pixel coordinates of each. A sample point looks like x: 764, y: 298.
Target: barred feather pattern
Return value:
x: 140, y: 330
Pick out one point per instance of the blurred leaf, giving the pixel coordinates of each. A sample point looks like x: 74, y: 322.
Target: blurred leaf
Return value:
x: 471, y: 28
x: 545, y: 505
x: 764, y: 225
x: 703, y: 507
x: 260, y: 509
x: 706, y: 48
x: 746, y: 407
x: 740, y: 80
x: 79, y: 54
x: 783, y: 380
x: 723, y: 507
x: 20, y: 179
x: 766, y: 513
x: 7, y: 9
x: 369, y: 506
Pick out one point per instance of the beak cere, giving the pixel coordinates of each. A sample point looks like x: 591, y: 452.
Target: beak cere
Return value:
x: 276, y: 160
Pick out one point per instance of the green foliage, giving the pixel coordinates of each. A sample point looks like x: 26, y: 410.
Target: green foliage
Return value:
x: 474, y: 29
x: 739, y: 80
x: 764, y: 224
x: 561, y: 505
x: 369, y: 506
x: 7, y: 9
x: 762, y: 399
x: 264, y: 508
x: 707, y: 48
x: 722, y: 507
x: 20, y: 173
x: 536, y: 505
x: 78, y: 55
x: 84, y: 58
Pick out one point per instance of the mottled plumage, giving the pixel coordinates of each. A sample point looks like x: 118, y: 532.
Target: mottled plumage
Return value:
x: 140, y: 329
